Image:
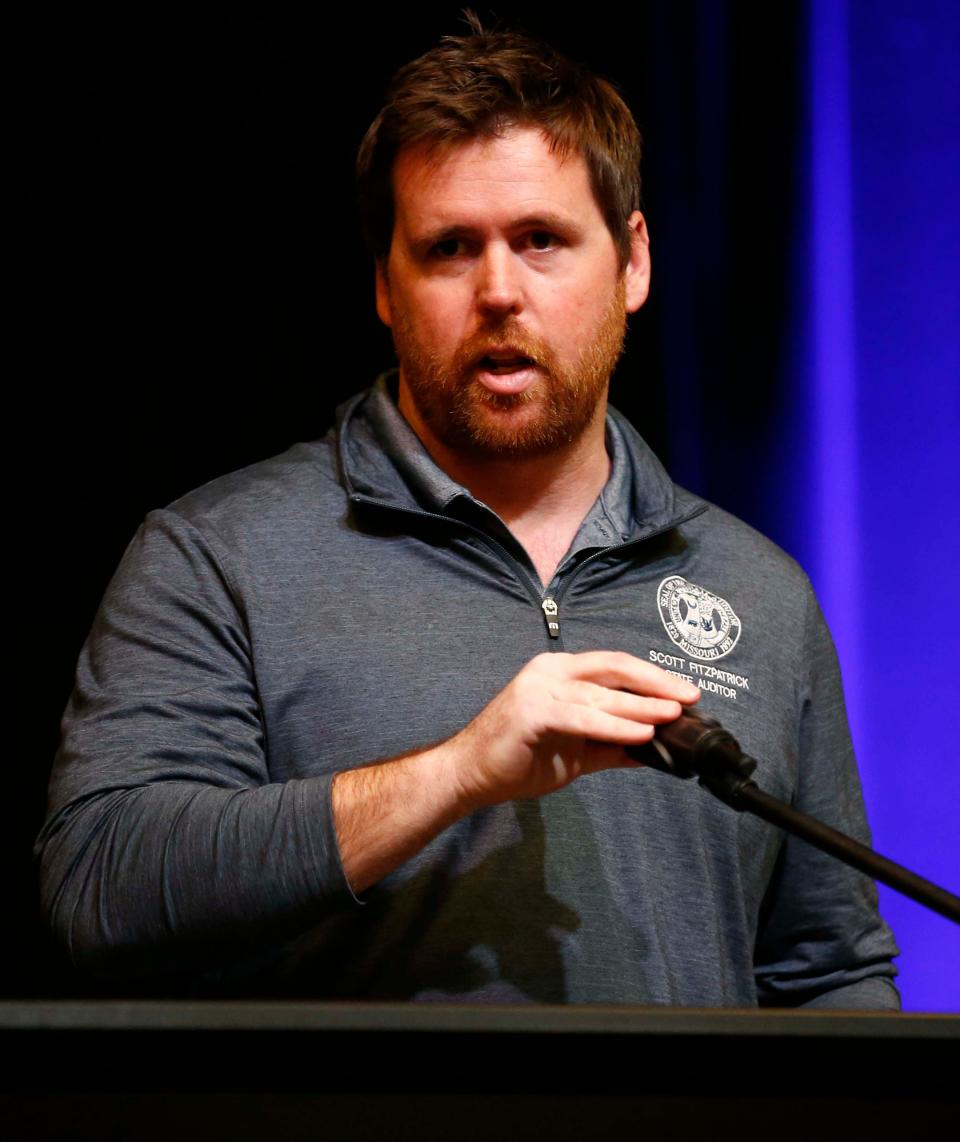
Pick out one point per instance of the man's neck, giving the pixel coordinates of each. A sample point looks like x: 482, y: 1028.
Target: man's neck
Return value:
x: 542, y: 499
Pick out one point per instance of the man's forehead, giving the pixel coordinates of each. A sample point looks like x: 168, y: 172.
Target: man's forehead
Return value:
x: 432, y: 174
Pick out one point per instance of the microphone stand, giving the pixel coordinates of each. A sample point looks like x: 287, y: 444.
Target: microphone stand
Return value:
x: 697, y: 745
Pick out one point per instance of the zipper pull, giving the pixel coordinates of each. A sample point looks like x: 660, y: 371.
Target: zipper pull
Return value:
x: 550, y: 614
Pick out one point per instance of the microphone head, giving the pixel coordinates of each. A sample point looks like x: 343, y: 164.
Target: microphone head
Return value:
x: 693, y: 744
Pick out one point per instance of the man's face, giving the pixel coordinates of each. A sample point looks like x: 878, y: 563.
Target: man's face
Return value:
x: 504, y: 295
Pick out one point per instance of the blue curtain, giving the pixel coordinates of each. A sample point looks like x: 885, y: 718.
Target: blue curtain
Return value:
x: 881, y: 533
x: 845, y: 453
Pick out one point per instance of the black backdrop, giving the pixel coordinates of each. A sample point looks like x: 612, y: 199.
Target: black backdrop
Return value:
x: 195, y: 295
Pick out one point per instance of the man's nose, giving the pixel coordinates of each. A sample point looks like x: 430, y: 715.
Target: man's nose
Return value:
x: 499, y: 285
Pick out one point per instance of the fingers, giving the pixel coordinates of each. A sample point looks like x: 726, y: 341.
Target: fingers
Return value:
x: 561, y: 716
x: 600, y: 726
x: 619, y: 703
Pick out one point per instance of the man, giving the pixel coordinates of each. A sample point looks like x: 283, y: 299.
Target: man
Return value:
x: 353, y: 722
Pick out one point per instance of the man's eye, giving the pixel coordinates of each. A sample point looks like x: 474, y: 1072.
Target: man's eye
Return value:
x: 448, y: 248
x: 542, y: 240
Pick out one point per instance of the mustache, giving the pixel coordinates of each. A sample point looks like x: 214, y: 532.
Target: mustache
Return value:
x: 508, y: 337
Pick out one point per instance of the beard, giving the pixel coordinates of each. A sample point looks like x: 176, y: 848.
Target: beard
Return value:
x: 549, y: 415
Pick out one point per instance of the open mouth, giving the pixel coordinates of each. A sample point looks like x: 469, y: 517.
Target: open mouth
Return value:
x: 501, y: 365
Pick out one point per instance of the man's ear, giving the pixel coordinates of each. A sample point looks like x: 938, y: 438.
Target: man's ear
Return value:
x: 637, y: 273
x: 383, y: 293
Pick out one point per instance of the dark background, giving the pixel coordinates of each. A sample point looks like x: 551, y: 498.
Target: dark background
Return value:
x: 194, y: 294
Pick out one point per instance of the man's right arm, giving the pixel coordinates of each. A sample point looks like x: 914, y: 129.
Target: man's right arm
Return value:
x: 169, y: 843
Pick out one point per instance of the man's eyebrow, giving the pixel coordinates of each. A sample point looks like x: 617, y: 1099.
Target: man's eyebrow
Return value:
x: 538, y: 220
x: 441, y: 234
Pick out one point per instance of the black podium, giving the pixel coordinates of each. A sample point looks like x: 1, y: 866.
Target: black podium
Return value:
x: 276, y: 1071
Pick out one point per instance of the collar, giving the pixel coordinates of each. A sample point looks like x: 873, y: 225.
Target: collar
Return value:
x: 383, y: 460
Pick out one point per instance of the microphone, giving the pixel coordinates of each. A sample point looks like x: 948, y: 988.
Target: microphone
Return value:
x: 697, y: 745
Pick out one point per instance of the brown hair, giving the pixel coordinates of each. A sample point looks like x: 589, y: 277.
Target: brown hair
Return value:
x: 483, y: 84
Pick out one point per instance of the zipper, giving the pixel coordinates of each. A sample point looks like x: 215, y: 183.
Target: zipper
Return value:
x: 551, y: 604
x: 551, y: 613
x: 548, y: 604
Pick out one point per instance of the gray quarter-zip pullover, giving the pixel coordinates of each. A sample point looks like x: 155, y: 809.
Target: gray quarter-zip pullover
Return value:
x: 346, y: 602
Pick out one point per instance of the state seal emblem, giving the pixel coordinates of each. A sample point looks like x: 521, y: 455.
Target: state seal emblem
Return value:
x: 699, y: 622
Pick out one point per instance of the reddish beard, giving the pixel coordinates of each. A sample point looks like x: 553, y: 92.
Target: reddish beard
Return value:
x: 549, y: 415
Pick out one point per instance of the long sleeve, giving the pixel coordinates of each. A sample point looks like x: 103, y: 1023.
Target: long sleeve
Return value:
x: 822, y: 942
x: 167, y: 840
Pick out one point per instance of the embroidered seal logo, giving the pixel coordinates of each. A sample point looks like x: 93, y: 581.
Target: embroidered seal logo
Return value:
x: 699, y: 622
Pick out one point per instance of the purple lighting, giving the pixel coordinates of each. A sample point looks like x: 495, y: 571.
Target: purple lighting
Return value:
x: 834, y: 565
x: 883, y: 542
